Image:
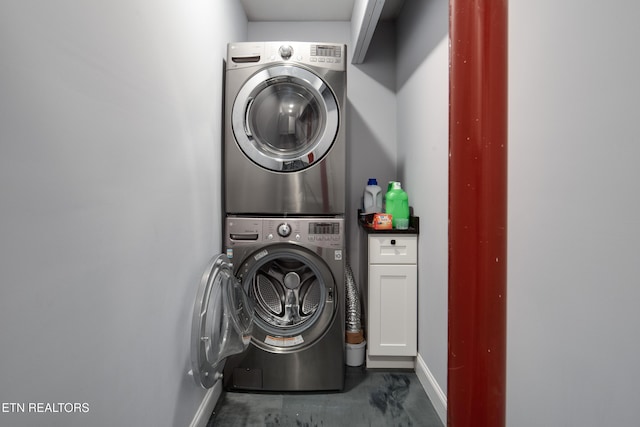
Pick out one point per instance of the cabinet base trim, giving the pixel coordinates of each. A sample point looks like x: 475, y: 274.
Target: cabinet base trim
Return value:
x: 391, y: 362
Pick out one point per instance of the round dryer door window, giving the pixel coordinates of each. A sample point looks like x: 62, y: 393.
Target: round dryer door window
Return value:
x: 294, y: 297
x: 222, y: 321
x: 285, y: 118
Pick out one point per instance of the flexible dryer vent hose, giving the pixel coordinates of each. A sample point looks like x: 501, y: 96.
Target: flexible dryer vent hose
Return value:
x: 353, y: 315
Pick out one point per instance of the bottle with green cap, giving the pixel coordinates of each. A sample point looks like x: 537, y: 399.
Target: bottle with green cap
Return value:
x: 397, y: 204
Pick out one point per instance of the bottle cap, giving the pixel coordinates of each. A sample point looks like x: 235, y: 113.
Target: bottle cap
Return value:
x: 372, y: 181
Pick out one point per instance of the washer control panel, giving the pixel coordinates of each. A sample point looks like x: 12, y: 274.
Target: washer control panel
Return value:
x: 323, y: 232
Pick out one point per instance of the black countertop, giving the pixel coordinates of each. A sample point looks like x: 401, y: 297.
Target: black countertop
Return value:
x: 414, y: 226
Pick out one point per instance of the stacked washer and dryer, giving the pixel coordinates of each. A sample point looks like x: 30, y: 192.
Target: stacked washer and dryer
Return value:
x: 284, y: 233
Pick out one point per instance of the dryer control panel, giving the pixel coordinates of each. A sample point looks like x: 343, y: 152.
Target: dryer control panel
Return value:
x: 323, y: 55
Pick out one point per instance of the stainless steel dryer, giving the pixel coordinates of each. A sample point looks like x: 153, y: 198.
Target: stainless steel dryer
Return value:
x: 284, y: 148
x: 293, y: 272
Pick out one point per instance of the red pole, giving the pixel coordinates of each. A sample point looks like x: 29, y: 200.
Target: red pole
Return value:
x: 477, y: 213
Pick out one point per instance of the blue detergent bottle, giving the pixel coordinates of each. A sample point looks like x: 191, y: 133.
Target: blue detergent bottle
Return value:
x: 372, y: 197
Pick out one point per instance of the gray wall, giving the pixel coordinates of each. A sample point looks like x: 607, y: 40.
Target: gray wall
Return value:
x: 110, y: 124
x: 423, y: 156
x: 574, y: 214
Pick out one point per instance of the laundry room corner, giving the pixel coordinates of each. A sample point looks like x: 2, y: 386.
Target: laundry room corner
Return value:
x: 112, y: 165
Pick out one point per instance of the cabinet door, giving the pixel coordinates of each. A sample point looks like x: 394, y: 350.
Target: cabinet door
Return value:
x: 393, y: 317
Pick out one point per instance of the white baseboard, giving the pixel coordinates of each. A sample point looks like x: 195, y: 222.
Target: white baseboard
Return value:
x: 432, y: 388
x: 201, y: 418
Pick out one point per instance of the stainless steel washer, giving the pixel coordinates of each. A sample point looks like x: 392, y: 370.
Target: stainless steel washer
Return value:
x: 284, y: 148
x: 293, y: 272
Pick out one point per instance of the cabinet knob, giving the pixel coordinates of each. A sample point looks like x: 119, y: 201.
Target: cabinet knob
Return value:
x: 393, y: 241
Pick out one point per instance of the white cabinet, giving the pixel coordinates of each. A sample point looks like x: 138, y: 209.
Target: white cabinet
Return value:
x: 392, y: 315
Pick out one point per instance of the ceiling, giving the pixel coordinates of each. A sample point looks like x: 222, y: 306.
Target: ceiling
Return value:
x: 311, y: 10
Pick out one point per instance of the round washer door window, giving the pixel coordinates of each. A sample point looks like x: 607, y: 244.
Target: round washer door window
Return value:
x: 285, y: 118
x: 293, y: 295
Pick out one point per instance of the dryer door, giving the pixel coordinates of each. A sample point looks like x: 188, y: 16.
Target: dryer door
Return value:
x: 285, y: 118
x: 222, y: 321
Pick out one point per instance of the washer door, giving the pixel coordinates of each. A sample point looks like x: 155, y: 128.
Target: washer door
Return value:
x: 294, y: 297
x: 285, y: 118
x: 222, y: 321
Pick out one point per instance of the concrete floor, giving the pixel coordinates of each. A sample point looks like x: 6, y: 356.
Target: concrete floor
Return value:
x: 370, y: 398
